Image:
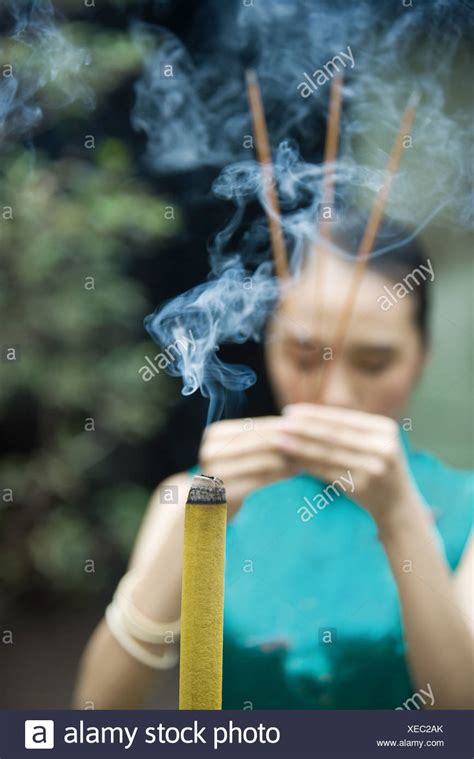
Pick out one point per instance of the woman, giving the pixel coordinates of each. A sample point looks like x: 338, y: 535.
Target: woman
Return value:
x: 349, y: 555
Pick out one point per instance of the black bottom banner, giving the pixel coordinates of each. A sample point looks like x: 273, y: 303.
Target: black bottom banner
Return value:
x: 115, y: 734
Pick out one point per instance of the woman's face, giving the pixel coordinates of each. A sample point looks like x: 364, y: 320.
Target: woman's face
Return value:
x: 380, y: 359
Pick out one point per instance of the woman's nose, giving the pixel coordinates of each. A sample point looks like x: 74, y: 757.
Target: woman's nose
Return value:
x: 339, y: 390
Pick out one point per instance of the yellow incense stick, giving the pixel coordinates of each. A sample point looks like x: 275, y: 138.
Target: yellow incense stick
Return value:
x: 202, y: 600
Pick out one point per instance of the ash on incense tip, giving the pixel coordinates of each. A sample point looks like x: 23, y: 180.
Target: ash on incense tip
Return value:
x: 206, y: 489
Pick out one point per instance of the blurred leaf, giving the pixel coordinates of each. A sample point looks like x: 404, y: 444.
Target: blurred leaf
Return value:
x: 80, y: 222
x: 121, y: 512
x: 60, y: 547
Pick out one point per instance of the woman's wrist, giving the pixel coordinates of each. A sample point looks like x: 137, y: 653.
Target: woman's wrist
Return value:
x: 140, y: 625
x: 157, y: 587
x: 408, y: 511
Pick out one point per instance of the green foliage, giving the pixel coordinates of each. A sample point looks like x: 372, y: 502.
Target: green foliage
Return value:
x: 69, y: 229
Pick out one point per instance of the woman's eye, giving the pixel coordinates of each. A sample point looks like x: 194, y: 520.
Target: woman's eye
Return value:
x: 374, y: 367
x: 305, y: 363
x: 306, y: 360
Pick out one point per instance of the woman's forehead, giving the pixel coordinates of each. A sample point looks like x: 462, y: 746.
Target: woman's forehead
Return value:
x: 311, y: 307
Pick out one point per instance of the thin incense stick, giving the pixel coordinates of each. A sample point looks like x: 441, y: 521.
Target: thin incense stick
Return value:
x: 367, y: 242
x: 330, y: 149
x: 327, y: 198
x: 264, y: 156
x: 202, y: 600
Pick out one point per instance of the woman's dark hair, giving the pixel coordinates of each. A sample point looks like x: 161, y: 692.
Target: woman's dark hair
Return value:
x: 398, y: 253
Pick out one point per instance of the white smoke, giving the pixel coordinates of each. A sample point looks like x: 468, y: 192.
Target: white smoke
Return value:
x: 38, y: 55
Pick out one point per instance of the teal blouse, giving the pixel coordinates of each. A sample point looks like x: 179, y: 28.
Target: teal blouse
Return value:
x: 312, y: 618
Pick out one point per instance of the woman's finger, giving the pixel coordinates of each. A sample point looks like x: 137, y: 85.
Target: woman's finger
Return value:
x: 357, y: 420
x: 310, y: 453
x: 259, y: 438
x: 333, y: 436
x: 249, y: 465
x: 229, y: 428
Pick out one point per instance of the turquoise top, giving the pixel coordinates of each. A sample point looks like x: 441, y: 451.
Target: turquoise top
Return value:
x: 312, y: 618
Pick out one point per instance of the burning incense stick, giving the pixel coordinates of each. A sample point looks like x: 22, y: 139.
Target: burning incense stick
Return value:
x: 202, y: 603
x: 264, y: 156
x: 317, y: 269
x: 368, y: 239
x: 330, y: 154
x: 330, y: 149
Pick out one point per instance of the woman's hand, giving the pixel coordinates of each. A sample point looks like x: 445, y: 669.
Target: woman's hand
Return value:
x: 366, y: 448
x: 245, y: 454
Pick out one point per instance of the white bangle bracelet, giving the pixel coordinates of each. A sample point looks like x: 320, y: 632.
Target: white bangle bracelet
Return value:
x: 167, y: 660
x: 135, y: 621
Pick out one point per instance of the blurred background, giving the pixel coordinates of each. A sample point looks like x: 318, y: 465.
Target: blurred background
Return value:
x: 91, y: 241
